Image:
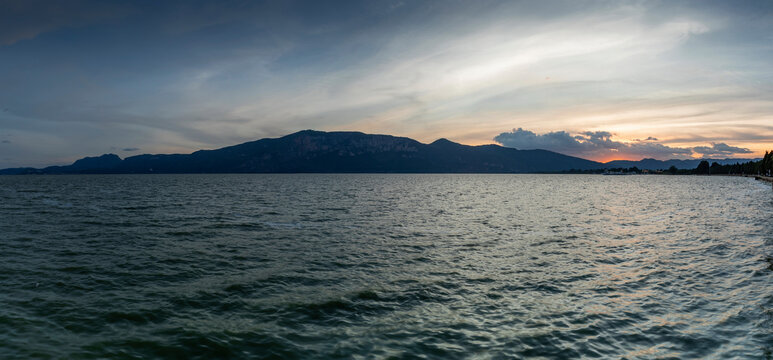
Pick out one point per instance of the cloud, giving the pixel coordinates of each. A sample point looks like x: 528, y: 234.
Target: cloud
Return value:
x: 600, y: 145
x: 5, y: 141
x: 720, y: 149
x: 649, y: 138
x: 590, y: 144
x: 23, y: 20
x: 131, y: 149
x: 180, y: 75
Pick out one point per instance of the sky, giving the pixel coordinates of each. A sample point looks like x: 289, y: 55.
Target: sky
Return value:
x: 598, y: 79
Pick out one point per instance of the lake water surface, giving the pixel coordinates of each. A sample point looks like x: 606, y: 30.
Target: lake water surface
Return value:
x: 377, y: 266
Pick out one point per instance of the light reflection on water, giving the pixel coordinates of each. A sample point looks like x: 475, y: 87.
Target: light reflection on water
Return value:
x: 319, y: 266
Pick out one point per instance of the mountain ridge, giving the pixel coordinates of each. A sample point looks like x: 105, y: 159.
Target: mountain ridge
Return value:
x: 330, y: 152
x: 654, y: 164
x: 311, y: 151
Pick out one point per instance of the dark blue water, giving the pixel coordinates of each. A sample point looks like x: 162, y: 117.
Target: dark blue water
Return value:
x: 377, y: 266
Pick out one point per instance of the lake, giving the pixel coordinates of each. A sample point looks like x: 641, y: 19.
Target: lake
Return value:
x: 377, y: 266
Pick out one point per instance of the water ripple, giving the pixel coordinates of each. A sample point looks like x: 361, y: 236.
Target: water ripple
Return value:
x: 385, y: 266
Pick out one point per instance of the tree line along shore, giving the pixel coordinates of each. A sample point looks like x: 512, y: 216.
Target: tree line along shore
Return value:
x: 761, y: 168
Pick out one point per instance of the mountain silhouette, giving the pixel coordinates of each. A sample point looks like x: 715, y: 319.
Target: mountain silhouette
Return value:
x: 653, y: 164
x: 312, y: 151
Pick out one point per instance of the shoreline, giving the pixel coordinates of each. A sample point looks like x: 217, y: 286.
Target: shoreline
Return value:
x: 768, y: 179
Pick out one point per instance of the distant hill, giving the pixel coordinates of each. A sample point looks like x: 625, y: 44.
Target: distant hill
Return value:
x: 332, y: 152
x: 652, y: 164
x: 312, y: 151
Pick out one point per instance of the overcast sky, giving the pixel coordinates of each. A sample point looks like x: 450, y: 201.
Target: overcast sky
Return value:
x: 597, y: 79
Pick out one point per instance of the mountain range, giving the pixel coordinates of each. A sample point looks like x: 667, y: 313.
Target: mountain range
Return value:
x: 312, y: 151
x: 653, y: 164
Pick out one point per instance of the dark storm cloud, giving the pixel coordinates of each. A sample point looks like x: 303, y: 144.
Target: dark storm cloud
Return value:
x: 720, y: 149
x: 598, y: 144
x: 5, y: 141
x: 593, y: 144
x: 130, y: 149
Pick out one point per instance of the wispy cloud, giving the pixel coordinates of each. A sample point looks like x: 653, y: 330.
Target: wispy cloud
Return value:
x: 24, y: 20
